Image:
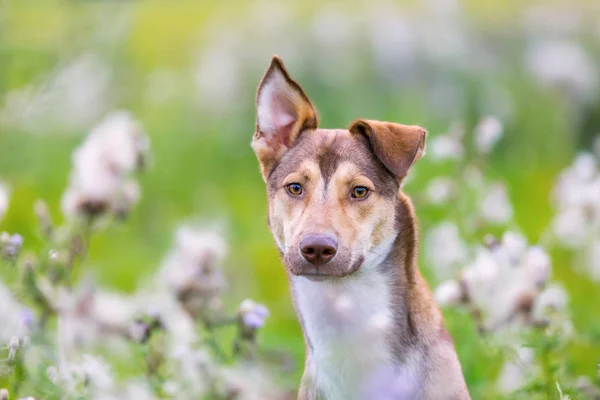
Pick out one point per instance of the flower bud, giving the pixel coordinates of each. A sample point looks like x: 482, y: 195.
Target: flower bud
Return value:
x: 13, y: 346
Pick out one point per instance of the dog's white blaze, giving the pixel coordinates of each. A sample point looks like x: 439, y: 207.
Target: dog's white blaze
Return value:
x: 348, y: 322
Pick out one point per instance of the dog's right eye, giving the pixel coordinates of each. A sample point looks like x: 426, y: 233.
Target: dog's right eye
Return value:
x: 295, y: 189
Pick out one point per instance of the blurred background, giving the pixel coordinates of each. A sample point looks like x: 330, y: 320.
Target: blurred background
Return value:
x: 188, y: 71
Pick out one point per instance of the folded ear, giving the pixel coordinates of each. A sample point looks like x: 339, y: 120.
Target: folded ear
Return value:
x: 397, y: 146
x: 283, y: 112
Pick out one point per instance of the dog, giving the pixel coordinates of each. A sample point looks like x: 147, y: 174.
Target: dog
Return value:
x: 348, y: 238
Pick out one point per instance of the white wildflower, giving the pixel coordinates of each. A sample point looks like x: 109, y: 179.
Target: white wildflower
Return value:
x: 584, y: 167
x: 119, y: 141
x: 516, y: 372
x: 487, y: 133
x: 446, y: 147
x: 91, y: 317
x: 537, y: 264
x: 449, y: 292
x: 138, y: 390
x: 444, y: 39
x: 97, y: 372
x: 514, y: 243
x: 335, y: 33
x: 52, y: 374
x: 75, y: 327
x: 71, y: 97
x: 82, y: 89
x: 4, y: 198
x: 445, y: 249
x: 195, y: 256
x: 570, y: 227
x: 13, y: 346
x: 192, y: 271
x: 495, y: 206
x: 171, y: 388
x: 163, y: 304
x: 101, y: 165
x: 577, y: 184
x: 564, y: 65
x: 576, y: 224
x: 191, y: 367
x: 217, y: 73
x: 503, y: 281
x: 16, y: 319
x: 393, y: 42
x: 86, y: 371
x: 553, y: 298
x: 473, y: 177
x: 482, y: 271
x: 112, y: 310
x: 440, y: 190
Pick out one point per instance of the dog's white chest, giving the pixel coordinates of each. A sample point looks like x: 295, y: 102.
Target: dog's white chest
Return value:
x: 348, y: 323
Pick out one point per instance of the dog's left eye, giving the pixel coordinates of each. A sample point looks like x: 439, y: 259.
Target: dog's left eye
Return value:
x: 360, y: 192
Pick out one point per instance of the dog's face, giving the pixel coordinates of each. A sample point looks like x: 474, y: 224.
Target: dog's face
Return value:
x: 332, y: 192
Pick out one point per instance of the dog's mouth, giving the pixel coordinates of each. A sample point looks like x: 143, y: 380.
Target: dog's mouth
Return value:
x: 318, y: 277
x: 327, y: 271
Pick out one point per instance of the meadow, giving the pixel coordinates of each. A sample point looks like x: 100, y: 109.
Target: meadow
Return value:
x: 135, y: 214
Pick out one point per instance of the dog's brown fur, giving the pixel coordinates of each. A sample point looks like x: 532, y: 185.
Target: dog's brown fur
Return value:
x: 368, y: 309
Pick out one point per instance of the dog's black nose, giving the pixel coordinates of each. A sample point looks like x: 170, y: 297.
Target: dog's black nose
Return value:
x: 318, y: 249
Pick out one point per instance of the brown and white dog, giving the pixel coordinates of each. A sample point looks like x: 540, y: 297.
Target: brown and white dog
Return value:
x: 348, y: 238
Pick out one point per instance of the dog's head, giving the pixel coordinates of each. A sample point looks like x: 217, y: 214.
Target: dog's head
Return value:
x: 333, y: 193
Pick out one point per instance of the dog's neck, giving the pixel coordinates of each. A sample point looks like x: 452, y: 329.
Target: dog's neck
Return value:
x: 372, y: 319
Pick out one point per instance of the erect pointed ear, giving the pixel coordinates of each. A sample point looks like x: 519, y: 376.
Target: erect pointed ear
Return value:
x: 283, y: 112
x: 397, y: 146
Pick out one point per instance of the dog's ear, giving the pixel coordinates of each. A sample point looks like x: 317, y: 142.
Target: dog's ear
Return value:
x: 397, y: 146
x: 283, y: 112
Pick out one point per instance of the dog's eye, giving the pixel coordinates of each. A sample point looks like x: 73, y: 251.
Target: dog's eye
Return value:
x: 295, y: 189
x: 360, y: 192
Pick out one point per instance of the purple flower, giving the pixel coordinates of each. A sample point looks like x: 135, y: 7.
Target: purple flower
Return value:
x: 261, y: 311
x: 16, y: 240
x: 253, y: 320
x: 253, y: 314
x: 27, y: 318
x: 10, y: 245
x: 139, y: 331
